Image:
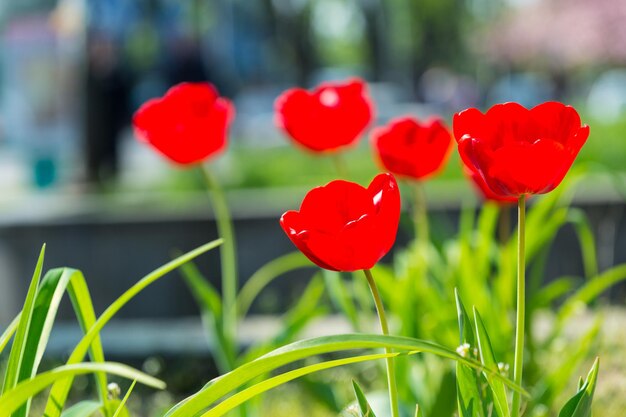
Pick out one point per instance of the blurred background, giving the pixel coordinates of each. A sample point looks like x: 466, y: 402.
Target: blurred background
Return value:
x: 72, y: 72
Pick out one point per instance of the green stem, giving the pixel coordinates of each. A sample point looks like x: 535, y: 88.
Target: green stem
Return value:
x: 420, y: 214
x: 228, y: 258
x: 504, y: 223
x: 340, y: 165
x: 521, y: 306
x: 391, y: 371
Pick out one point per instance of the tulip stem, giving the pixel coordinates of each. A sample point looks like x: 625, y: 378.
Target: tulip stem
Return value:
x: 422, y: 234
x: 521, y: 306
x: 504, y: 223
x: 391, y: 371
x: 340, y: 165
x: 228, y: 260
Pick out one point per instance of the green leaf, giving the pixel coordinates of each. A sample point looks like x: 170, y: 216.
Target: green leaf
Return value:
x: 466, y: 333
x: 210, y: 304
x: 123, y: 402
x: 340, y: 297
x: 266, y: 274
x: 545, y: 296
x: 364, y: 406
x: 294, y: 320
x: 83, y: 307
x: 49, y: 294
x: 323, y: 393
x: 486, y: 226
x: 469, y: 399
x: 224, y: 384
x: 9, y: 332
x: 556, y: 379
x: 202, y: 290
x: 580, y: 404
x: 18, y: 350
x: 60, y: 390
x: 578, y: 218
x: 592, y: 289
x: 82, y: 409
x: 239, y: 398
x: 489, y: 360
x: 445, y: 395
x: 13, y: 399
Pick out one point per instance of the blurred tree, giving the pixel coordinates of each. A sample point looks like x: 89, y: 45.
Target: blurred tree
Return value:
x: 377, y: 36
x: 438, y: 28
x: 291, y: 23
x: 106, y: 112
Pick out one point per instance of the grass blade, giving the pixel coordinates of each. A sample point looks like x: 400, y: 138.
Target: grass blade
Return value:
x: 489, y: 360
x: 49, y: 294
x: 469, y: 399
x: 210, y: 303
x: 364, y: 406
x: 235, y: 379
x: 60, y: 390
x: 265, y: 385
x: 123, y: 403
x: 340, y: 297
x: 17, y: 396
x: 9, y: 332
x: 18, y: 350
x: 86, y: 316
x: 266, y: 274
x: 580, y: 404
x: 587, y: 241
x: 201, y: 289
x: 306, y: 309
x: 592, y: 289
x: 82, y: 409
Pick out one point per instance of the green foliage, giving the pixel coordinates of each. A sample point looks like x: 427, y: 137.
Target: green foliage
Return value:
x: 364, y: 406
x: 30, y: 332
x: 121, y: 407
x: 247, y: 374
x: 13, y: 399
x: 476, y: 267
x: 83, y: 409
x: 462, y: 368
x: 580, y: 404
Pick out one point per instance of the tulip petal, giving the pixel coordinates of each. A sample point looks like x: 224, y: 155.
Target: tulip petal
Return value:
x: 332, y: 206
x: 345, y: 227
x: 556, y: 121
x: 518, y: 151
x: 187, y: 125
x: 332, y: 116
x: 525, y: 168
x: 410, y: 149
x: 385, y: 195
x: 301, y: 237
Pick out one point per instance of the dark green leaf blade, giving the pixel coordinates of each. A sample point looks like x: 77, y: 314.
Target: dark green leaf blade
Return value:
x: 364, y: 406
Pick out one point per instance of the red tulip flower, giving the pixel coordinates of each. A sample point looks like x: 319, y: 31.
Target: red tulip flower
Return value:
x: 484, y: 189
x: 519, y: 151
x: 187, y: 125
x: 412, y: 149
x: 330, y: 117
x: 345, y: 227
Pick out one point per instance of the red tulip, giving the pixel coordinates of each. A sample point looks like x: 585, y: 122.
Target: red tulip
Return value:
x: 187, y: 125
x: 345, y: 227
x: 334, y: 115
x: 411, y: 149
x: 484, y: 189
x: 519, y: 151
